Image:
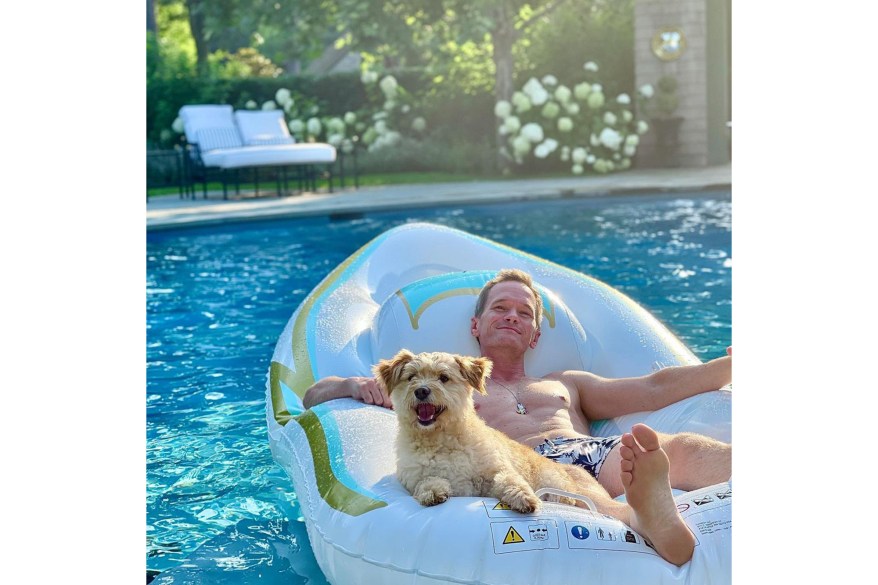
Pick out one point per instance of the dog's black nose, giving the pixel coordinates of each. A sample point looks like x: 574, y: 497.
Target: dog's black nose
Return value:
x: 422, y: 393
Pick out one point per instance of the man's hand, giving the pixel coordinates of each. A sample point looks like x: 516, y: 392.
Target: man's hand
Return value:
x: 358, y: 387
x: 369, y: 391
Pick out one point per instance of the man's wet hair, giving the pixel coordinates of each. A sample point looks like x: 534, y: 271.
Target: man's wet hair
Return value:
x: 514, y: 275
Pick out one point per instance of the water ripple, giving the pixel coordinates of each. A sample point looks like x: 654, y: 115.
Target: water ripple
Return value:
x: 217, y: 505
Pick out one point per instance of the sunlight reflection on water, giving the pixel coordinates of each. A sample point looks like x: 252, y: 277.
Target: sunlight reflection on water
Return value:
x: 218, y: 508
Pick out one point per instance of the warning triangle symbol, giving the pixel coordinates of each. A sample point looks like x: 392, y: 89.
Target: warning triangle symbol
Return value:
x: 502, y: 506
x: 512, y: 536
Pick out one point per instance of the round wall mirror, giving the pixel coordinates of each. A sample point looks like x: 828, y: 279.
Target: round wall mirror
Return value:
x: 668, y: 44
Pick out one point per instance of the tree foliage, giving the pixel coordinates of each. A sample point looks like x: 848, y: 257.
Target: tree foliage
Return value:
x: 465, y: 51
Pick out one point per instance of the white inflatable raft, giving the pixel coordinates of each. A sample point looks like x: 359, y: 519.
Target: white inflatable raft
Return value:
x: 414, y: 286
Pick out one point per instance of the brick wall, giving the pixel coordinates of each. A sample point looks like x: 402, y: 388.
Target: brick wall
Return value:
x: 690, y: 71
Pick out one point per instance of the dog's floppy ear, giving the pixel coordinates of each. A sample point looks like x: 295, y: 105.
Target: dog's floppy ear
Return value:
x: 475, y: 371
x: 389, y: 371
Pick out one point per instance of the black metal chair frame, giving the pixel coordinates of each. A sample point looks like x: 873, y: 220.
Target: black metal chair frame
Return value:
x: 306, y: 175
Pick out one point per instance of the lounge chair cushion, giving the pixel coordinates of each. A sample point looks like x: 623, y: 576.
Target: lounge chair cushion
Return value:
x: 217, y: 138
x: 233, y: 140
x: 259, y: 128
x: 198, y: 117
x: 272, y: 155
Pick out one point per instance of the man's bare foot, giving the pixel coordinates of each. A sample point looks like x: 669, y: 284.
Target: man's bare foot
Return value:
x: 648, y: 491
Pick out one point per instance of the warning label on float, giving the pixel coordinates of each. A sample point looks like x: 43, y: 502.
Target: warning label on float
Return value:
x: 512, y: 536
x: 496, y: 509
x: 524, y: 535
x: 612, y: 535
x: 711, y: 526
x: 706, y: 510
x: 703, y: 500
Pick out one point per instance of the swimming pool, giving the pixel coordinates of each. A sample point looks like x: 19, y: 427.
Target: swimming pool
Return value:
x: 217, y: 299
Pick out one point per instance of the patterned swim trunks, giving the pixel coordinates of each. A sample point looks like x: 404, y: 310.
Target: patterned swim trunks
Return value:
x: 587, y: 452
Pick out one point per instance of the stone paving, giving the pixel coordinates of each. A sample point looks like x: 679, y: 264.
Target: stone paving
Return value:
x: 171, y: 211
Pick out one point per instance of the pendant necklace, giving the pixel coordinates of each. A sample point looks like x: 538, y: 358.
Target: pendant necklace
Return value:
x: 519, y: 407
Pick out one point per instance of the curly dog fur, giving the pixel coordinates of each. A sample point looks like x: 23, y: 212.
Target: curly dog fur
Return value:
x: 444, y: 449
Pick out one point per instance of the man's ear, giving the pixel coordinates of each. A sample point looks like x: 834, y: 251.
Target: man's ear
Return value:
x: 475, y: 371
x: 474, y: 327
x: 389, y: 372
x: 533, y: 342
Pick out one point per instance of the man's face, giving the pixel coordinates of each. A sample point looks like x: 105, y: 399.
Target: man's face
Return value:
x: 508, y: 320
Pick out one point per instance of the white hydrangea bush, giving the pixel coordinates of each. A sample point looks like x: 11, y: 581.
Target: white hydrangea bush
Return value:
x: 391, y: 117
x: 579, y: 124
x: 395, y: 114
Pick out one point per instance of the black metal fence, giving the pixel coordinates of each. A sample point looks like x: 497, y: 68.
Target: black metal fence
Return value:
x: 164, y: 168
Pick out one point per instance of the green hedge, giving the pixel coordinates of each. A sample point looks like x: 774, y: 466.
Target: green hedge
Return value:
x: 335, y: 94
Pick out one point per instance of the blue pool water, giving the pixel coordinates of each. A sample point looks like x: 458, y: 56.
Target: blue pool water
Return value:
x: 218, y: 509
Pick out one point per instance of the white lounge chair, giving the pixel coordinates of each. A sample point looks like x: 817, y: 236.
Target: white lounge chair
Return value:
x: 225, y: 141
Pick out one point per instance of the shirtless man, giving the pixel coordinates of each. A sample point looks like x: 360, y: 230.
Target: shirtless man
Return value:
x: 552, y: 415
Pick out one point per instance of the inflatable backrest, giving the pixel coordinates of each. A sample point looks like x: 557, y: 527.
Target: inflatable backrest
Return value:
x: 433, y: 314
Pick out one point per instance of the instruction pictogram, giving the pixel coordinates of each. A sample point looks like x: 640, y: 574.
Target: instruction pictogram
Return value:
x: 524, y: 535
x: 501, y: 506
x: 703, y: 501
x: 538, y: 532
x: 512, y: 536
x: 579, y: 532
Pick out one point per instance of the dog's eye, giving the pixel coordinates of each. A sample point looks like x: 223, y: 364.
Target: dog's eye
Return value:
x: 412, y: 377
x: 443, y: 378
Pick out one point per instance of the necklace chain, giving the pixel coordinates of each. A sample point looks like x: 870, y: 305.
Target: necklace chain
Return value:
x: 519, y: 407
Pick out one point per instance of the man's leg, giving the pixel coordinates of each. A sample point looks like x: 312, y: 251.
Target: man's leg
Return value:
x: 650, y: 507
x: 645, y: 467
x: 697, y: 461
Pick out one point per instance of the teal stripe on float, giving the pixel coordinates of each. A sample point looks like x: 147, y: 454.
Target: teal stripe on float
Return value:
x: 334, y: 444
x: 293, y: 403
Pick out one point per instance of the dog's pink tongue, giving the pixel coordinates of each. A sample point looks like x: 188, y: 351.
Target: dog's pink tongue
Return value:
x: 426, y: 411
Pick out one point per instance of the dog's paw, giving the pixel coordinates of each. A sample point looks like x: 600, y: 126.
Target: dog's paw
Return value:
x: 521, y: 501
x: 432, y: 491
x: 431, y: 497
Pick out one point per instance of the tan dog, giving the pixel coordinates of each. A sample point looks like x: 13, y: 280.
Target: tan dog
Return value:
x: 444, y: 449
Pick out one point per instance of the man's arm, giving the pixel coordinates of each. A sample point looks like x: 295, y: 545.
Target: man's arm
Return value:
x: 359, y: 388
x: 607, y: 398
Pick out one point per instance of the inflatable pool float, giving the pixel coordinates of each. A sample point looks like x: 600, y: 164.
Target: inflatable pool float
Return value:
x: 414, y: 286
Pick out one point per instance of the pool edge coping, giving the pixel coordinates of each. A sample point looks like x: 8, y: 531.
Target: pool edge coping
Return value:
x: 329, y: 206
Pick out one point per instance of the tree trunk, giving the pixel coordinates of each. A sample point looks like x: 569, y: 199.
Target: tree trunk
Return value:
x: 196, y: 25
x: 150, y: 17
x: 503, y: 37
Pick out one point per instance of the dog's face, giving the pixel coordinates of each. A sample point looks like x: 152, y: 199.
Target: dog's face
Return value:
x: 431, y: 390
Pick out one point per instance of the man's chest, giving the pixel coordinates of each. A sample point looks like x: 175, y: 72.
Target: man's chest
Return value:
x: 534, y: 396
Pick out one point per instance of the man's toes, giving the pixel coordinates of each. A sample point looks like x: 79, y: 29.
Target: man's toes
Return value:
x: 626, y: 465
x: 626, y: 478
x: 627, y: 453
x: 628, y: 440
x: 646, y: 437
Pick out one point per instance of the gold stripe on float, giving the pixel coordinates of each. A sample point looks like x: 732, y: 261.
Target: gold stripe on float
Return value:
x: 415, y: 316
x: 280, y: 373
x: 299, y: 341
x: 334, y: 492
